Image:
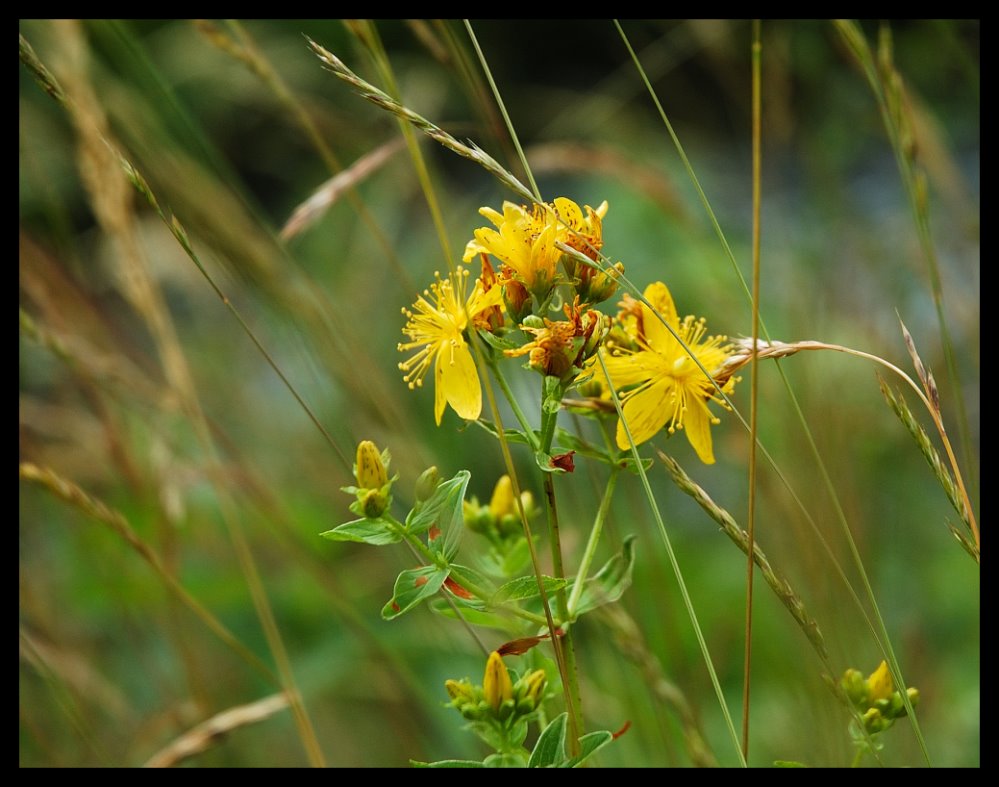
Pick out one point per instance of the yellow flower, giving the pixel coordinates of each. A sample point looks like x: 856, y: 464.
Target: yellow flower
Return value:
x: 496, y: 684
x: 436, y: 330
x: 524, y: 241
x: 664, y: 386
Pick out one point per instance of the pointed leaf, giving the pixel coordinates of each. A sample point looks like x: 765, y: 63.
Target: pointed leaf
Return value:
x: 511, y: 435
x: 411, y: 587
x: 474, y: 616
x: 526, y: 587
x: 588, y: 745
x: 549, y: 751
x: 447, y: 764
x: 503, y: 760
x: 366, y: 531
x: 609, y: 584
x: 466, y: 576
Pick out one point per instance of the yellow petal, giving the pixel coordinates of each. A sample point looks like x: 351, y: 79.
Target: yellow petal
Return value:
x: 658, y: 335
x: 697, y: 425
x: 646, y: 413
x: 879, y: 684
x: 472, y: 250
x: 440, y: 400
x: 460, y: 381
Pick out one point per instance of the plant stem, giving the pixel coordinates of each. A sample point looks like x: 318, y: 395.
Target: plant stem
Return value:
x: 573, y: 698
x: 591, y: 544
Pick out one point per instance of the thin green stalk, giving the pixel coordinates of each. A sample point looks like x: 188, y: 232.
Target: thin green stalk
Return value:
x: 886, y: 84
x: 502, y: 109
x: 514, y: 405
x: 247, y: 52
x: 591, y: 544
x: 555, y: 543
x: 94, y: 508
x: 676, y: 567
x: 754, y: 386
x: 827, y: 480
x: 368, y: 33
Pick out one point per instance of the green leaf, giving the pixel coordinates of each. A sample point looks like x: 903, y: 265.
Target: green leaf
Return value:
x: 447, y: 764
x: 789, y: 764
x: 377, y: 532
x: 517, y: 558
x: 500, y: 342
x: 443, y: 509
x: 503, y: 760
x: 511, y: 435
x: 565, y: 440
x: 411, y: 587
x: 588, y: 745
x: 544, y: 461
x: 549, y: 751
x: 466, y: 576
x: 523, y: 588
x: 610, y: 582
x: 474, y: 616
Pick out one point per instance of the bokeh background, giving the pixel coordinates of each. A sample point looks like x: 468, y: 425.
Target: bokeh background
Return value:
x: 117, y: 322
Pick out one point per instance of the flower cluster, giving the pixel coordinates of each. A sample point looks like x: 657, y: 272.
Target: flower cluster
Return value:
x: 875, y: 697
x: 664, y: 368
x: 499, y: 698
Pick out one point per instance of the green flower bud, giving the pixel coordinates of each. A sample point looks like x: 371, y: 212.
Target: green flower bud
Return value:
x: 532, y: 688
x: 427, y: 483
x: 374, y: 503
x: 855, y: 687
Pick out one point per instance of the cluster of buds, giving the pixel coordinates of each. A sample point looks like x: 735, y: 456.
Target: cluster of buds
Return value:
x: 561, y: 349
x: 875, y: 698
x: 500, y: 520
x: 499, y: 698
x: 374, y: 487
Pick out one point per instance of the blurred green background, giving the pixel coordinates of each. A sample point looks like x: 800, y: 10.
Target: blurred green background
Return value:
x: 113, y: 668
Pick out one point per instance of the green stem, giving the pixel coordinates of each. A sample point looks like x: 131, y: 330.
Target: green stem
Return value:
x: 591, y: 544
x: 514, y: 405
x: 574, y: 700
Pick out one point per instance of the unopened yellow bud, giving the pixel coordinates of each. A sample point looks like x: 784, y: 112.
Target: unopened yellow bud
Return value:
x: 460, y: 692
x: 879, y: 684
x: 496, y: 685
x: 534, y: 687
x: 502, y: 502
x: 370, y: 469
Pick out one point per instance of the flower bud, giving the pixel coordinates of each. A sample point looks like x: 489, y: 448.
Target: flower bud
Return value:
x: 502, y: 502
x: 370, y: 470
x: 496, y: 684
x: 460, y: 692
x: 879, y: 684
x: 373, y: 503
x: 531, y: 688
x: 427, y: 483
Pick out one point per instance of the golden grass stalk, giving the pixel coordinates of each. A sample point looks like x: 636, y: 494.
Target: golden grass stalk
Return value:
x: 632, y: 645
x: 71, y: 493
x: 780, y: 586
x: 211, y: 731
x: 381, y: 99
